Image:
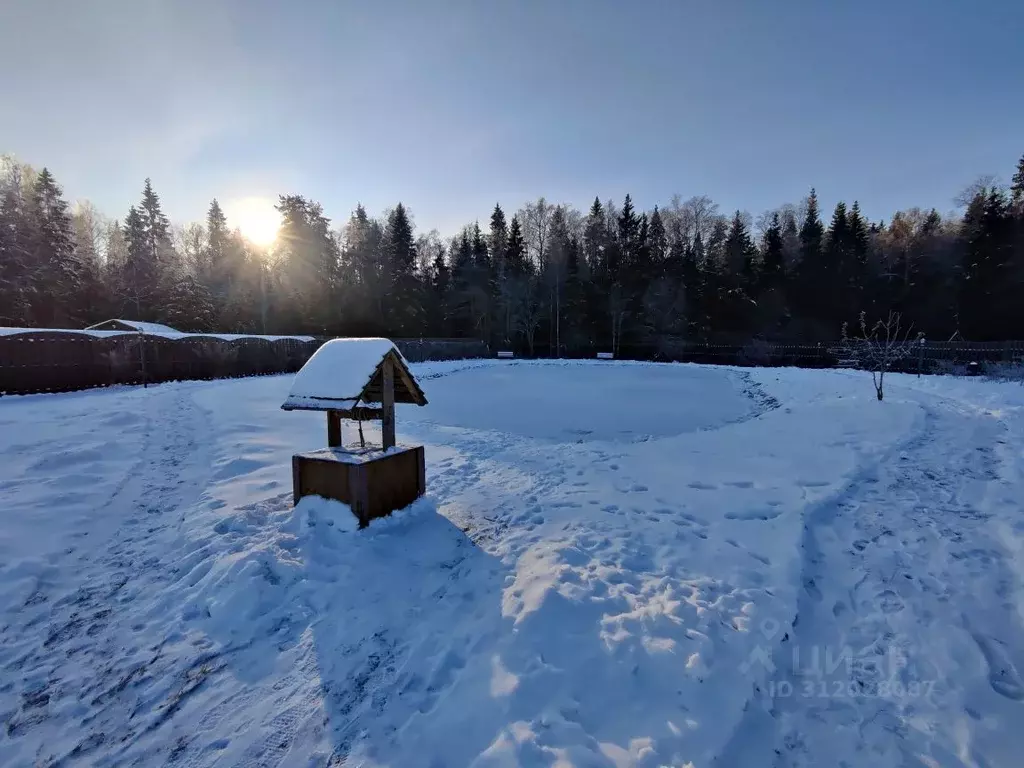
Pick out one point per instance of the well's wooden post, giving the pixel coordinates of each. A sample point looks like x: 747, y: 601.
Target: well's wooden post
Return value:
x: 387, y: 427
x: 333, y: 429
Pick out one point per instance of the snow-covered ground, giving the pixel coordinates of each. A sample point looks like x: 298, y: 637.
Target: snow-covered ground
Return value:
x: 616, y: 564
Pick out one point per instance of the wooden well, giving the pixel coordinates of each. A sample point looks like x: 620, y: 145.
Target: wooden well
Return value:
x: 373, y: 483
x: 366, y: 378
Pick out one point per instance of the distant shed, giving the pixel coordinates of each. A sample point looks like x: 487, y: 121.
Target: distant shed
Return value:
x: 139, y: 326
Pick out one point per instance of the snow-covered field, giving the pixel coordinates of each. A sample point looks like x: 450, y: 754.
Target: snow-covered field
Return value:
x: 616, y: 564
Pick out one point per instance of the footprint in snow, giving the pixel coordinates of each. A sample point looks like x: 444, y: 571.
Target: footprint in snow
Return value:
x: 699, y: 486
x: 1002, y: 674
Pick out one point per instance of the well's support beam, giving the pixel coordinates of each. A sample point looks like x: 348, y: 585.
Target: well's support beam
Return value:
x: 333, y: 429
x: 387, y: 426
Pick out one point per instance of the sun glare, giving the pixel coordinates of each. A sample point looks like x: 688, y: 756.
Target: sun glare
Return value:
x: 256, y: 217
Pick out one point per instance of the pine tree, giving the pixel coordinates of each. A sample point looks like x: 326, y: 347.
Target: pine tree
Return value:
x: 657, y: 240
x: 594, y: 240
x: 17, y: 278
x: 986, y: 296
x: 513, y: 289
x: 138, y: 282
x: 310, y: 260
x: 836, y: 272
x: 628, y: 231
x: 158, y: 247
x: 1017, y: 187
x: 403, y: 301
x: 189, y: 306
x: 810, y: 299
x: 214, y: 271
x: 498, y: 240
x: 772, y: 258
x: 440, y: 285
x: 694, y: 285
x: 52, y: 246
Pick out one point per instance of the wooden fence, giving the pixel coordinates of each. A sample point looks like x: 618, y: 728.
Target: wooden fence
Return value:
x: 930, y: 357
x: 63, y: 361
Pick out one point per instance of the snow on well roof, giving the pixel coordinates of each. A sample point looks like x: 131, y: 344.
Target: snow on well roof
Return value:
x: 343, y: 370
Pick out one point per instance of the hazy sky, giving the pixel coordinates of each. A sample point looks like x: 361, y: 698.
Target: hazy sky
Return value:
x: 451, y: 105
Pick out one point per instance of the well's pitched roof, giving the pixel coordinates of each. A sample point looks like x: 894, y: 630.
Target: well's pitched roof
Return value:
x: 344, y: 372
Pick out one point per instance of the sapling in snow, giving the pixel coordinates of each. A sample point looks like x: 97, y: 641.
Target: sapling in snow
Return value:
x: 879, y: 347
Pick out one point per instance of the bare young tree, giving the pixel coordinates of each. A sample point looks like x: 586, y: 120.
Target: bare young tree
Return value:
x: 879, y: 347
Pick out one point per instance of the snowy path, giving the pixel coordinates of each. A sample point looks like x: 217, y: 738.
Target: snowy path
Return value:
x: 78, y: 639
x: 908, y: 643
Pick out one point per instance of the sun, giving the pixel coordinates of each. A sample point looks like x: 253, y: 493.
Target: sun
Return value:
x: 256, y: 217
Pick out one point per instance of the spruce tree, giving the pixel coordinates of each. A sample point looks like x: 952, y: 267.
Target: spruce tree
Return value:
x: 214, y: 271
x: 1017, y: 186
x: 498, y: 240
x: 594, y: 239
x: 516, y: 252
x: 772, y: 259
x: 986, y: 295
x: 440, y: 285
x: 158, y: 245
x: 17, y: 277
x: 138, y: 283
x: 836, y: 274
x: 52, y: 245
x: 811, y: 300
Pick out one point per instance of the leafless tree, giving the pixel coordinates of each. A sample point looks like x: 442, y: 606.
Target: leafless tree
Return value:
x: 531, y: 309
x: 983, y: 183
x: 879, y: 347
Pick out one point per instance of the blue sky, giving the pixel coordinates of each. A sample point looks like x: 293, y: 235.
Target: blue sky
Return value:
x: 451, y: 105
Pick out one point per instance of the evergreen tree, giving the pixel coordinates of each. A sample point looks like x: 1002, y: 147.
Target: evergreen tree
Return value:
x: 17, y: 278
x: 52, y: 246
x: 772, y: 259
x: 657, y: 239
x: 138, y: 283
x: 810, y: 299
x: 498, y: 240
x: 1017, y: 186
x: 189, y: 306
x: 987, y: 300
x: 836, y: 273
x: 440, y: 285
x: 403, y: 303
x: 214, y: 271
x: 310, y: 259
x: 158, y: 247
x: 516, y: 254
x: 628, y: 233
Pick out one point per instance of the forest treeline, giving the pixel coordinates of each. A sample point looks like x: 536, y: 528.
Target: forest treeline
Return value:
x: 546, y: 277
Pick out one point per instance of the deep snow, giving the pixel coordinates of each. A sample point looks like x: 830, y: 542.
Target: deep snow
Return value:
x: 616, y: 564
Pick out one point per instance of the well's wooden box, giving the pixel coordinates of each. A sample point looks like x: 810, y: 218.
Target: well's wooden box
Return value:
x: 372, y: 482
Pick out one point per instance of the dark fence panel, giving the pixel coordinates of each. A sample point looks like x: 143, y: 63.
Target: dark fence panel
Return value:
x: 930, y: 357
x: 420, y: 350
x: 61, y: 361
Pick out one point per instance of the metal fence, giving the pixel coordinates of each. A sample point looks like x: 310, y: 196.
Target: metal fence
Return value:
x: 62, y: 361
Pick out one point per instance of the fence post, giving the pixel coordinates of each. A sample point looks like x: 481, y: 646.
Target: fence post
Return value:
x: 920, y: 355
x: 142, y: 355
